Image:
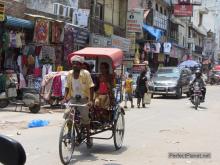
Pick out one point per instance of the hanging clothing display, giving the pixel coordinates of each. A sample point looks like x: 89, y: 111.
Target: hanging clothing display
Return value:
x: 41, y: 31
x: 37, y: 83
x: 47, y: 68
x: 12, y: 36
x: 68, y: 39
x: 22, y: 82
x: 57, y: 29
x: 48, y: 52
x: 147, y: 47
x: 57, y: 86
x: 157, y: 45
x: 18, y: 40
x: 81, y: 17
x: 167, y: 47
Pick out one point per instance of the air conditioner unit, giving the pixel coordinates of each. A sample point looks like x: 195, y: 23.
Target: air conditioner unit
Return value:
x: 70, y: 12
x: 56, y: 7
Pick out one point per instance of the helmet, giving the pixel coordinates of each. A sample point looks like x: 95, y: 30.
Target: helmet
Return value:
x: 198, y: 73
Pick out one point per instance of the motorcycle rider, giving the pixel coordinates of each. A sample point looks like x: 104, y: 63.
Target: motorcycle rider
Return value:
x: 198, y: 78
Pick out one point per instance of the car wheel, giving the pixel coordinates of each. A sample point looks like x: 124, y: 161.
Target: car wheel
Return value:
x: 179, y: 93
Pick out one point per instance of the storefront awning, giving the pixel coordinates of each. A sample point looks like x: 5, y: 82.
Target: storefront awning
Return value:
x: 157, y: 33
x: 18, y: 22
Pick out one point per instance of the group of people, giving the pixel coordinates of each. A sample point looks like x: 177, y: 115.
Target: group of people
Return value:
x: 141, y: 89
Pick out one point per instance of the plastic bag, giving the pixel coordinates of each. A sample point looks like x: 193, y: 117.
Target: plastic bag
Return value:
x: 38, y: 123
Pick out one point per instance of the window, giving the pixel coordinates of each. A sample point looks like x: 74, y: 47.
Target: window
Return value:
x: 156, y: 7
x: 200, y: 19
x: 161, y: 10
x: 99, y: 11
x: 61, y: 10
x: 165, y: 12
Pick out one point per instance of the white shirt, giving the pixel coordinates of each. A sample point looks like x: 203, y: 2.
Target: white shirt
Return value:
x: 157, y: 45
x: 167, y: 47
x: 77, y: 88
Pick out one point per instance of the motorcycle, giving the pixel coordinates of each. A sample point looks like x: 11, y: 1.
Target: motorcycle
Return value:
x: 196, y: 96
x: 28, y: 97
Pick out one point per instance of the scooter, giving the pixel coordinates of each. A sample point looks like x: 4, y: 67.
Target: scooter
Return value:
x: 28, y: 97
x: 197, y: 96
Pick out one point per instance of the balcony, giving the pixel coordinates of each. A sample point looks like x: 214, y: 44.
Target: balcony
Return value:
x: 97, y: 27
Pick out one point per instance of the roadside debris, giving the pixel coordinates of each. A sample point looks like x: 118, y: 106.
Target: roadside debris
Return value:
x: 38, y: 123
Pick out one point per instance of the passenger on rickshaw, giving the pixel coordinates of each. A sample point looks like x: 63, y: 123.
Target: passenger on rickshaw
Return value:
x: 79, y: 90
x: 104, y: 97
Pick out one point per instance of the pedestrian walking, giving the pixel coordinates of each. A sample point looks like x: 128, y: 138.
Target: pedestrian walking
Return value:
x: 128, y: 86
x: 141, y: 88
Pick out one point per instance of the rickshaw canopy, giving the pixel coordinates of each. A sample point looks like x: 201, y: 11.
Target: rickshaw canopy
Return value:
x: 217, y: 67
x: 114, y: 54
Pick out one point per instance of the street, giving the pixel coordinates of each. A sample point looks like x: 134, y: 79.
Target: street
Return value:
x: 166, y: 125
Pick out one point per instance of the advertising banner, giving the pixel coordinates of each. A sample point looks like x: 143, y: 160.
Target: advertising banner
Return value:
x: 183, y: 10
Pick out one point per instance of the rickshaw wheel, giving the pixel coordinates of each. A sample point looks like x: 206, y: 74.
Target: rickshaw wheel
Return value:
x: 118, y: 130
x: 67, y: 141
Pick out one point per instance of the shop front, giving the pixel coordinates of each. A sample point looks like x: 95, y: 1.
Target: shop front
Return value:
x: 15, y: 35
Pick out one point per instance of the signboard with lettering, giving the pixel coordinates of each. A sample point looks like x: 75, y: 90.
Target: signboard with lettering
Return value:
x: 184, y: 2
x: 80, y: 36
x: 135, y: 20
x: 183, y: 10
x: 121, y: 43
x: 2, y: 11
x: 132, y: 37
x: 160, y: 20
x: 100, y: 41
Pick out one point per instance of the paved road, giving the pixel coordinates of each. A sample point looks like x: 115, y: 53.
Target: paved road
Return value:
x: 167, y: 125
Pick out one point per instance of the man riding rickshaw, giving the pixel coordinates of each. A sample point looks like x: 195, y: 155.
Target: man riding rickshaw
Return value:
x: 92, y: 101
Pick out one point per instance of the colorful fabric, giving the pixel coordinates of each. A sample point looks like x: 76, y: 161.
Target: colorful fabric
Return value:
x: 22, y: 82
x: 57, y: 86
x: 85, y: 80
x: 68, y: 39
x: 30, y: 60
x: 103, y: 88
x: 12, y: 36
x: 41, y: 31
x: 57, y: 29
x: 37, y: 83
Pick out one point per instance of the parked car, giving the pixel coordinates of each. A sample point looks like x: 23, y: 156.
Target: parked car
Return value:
x: 171, y: 81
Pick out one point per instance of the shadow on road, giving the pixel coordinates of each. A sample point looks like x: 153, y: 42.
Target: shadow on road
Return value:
x: 89, y: 154
x: 200, y: 108
x: 169, y: 97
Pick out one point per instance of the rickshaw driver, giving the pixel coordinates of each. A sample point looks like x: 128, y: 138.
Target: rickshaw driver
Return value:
x: 79, y: 89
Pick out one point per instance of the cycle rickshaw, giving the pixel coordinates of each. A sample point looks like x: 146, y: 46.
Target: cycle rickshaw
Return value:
x: 116, y: 124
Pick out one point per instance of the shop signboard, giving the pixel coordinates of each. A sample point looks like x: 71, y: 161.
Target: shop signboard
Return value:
x: 159, y: 20
x: 183, y: 10
x: 121, y: 43
x: 138, y: 68
x: 100, y: 41
x: 2, y: 11
x: 132, y: 37
x: 80, y: 36
x: 135, y: 20
x: 184, y: 2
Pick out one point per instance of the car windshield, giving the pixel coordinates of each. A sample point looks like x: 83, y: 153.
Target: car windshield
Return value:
x: 169, y: 73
